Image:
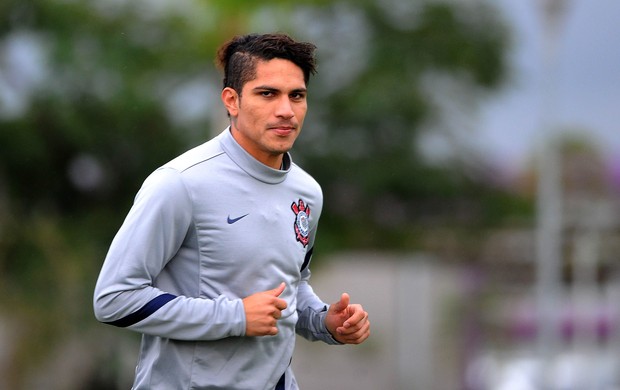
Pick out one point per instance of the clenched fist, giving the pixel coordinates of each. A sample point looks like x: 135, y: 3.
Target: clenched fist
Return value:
x: 348, y: 323
x: 262, y: 310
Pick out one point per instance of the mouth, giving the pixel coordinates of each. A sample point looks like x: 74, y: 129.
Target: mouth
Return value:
x: 283, y: 130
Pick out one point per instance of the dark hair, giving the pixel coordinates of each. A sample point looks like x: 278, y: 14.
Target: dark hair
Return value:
x: 238, y: 56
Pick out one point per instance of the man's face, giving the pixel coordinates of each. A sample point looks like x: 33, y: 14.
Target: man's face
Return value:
x: 268, y: 116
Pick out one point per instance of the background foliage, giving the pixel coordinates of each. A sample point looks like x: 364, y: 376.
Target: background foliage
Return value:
x: 111, y: 90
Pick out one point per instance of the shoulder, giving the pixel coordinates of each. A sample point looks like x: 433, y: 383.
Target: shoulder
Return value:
x: 163, y: 186
x: 305, y: 179
x: 196, y: 156
x: 307, y: 189
x: 170, y: 180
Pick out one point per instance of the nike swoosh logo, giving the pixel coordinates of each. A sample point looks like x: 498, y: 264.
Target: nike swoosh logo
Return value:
x: 233, y: 220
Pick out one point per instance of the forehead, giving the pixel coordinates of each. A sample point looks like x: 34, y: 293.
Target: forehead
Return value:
x: 278, y: 72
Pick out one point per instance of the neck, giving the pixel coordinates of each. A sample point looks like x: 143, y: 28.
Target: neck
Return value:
x: 272, y: 160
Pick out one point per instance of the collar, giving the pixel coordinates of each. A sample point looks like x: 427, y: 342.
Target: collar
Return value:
x: 252, y: 166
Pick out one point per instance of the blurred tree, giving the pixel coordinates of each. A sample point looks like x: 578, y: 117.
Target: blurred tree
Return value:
x: 86, y: 94
x: 95, y: 95
x: 393, y: 72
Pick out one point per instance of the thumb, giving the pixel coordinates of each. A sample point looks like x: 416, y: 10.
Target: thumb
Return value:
x: 278, y: 290
x: 342, y: 304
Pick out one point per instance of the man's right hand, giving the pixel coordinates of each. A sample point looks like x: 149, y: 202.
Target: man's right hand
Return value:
x: 262, y: 310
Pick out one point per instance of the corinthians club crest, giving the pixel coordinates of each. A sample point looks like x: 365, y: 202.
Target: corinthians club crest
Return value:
x: 301, y: 225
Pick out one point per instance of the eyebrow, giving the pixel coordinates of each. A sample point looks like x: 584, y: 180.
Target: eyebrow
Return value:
x: 273, y: 89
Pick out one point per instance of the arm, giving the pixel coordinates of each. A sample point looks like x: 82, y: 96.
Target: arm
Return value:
x: 311, y: 316
x: 150, y: 236
x: 341, y: 323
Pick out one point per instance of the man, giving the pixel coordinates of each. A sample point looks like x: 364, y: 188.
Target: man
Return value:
x: 212, y: 262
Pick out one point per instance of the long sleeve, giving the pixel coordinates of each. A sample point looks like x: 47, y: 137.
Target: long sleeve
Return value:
x: 155, y: 230
x: 311, y: 310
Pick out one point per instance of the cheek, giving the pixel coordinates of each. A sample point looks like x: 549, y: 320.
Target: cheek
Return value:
x: 300, y: 113
x: 254, y: 114
x: 248, y: 117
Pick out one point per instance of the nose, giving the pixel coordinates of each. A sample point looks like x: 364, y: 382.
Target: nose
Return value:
x: 284, y: 108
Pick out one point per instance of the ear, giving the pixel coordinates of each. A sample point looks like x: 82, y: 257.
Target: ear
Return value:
x: 230, y: 98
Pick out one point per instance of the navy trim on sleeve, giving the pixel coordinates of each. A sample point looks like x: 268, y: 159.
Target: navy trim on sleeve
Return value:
x: 281, y: 382
x: 307, y: 259
x: 145, y: 311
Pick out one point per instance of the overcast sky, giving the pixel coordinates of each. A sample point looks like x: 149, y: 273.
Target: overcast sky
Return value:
x: 585, y: 74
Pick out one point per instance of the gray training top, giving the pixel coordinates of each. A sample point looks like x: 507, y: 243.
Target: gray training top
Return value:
x: 207, y: 229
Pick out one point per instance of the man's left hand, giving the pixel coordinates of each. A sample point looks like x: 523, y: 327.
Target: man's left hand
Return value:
x: 348, y: 323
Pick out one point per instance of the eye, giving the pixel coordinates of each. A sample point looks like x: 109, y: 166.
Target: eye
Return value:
x: 267, y: 93
x: 298, y: 96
